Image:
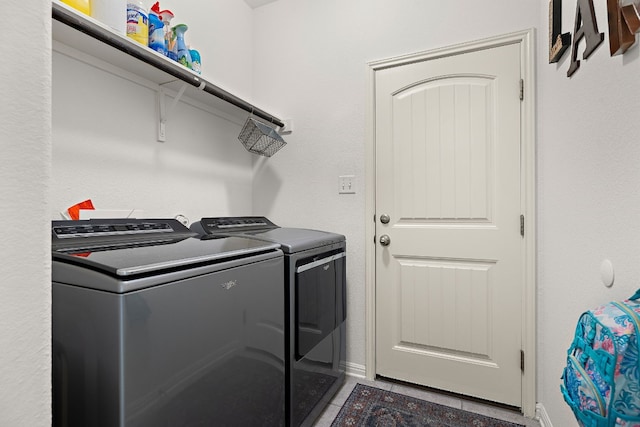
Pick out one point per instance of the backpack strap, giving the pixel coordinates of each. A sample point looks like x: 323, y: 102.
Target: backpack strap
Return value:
x: 581, y: 341
x: 630, y: 312
x: 587, y: 419
x: 605, y: 361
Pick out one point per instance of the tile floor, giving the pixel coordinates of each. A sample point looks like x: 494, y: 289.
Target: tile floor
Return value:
x: 330, y: 412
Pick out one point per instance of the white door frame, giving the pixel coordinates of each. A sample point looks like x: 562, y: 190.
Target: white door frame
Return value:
x: 527, y: 200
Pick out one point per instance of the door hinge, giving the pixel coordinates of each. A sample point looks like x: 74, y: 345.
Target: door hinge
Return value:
x: 522, y: 360
x: 521, y: 89
x: 522, y: 225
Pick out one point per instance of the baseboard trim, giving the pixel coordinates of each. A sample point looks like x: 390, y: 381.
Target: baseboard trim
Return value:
x: 542, y: 416
x: 355, y: 370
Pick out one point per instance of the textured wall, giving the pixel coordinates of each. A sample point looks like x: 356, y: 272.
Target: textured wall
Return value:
x: 319, y: 79
x: 25, y: 143
x: 309, y: 64
x: 105, y: 149
x: 588, y: 193
x: 104, y: 130
x: 221, y: 31
x: 587, y: 145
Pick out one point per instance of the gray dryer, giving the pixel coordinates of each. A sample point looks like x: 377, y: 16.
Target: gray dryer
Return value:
x: 315, y: 298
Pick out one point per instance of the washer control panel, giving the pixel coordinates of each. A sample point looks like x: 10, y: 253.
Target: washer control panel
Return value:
x: 103, y: 234
x: 106, y: 229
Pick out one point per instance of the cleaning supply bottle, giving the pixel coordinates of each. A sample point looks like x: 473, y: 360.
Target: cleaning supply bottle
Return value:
x: 138, y: 22
x: 112, y: 13
x: 184, y: 57
x: 156, y: 34
x: 196, y: 61
x: 83, y: 6
x: 169, y: 39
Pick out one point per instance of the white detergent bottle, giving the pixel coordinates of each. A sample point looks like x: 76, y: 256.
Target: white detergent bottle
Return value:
x: 112, y: 13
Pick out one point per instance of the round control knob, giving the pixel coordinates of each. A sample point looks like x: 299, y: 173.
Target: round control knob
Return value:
x: 385, y: 240
x: 384, y: 218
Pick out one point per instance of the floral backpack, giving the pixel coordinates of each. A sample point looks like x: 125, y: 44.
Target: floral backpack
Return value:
x: 601, y: 382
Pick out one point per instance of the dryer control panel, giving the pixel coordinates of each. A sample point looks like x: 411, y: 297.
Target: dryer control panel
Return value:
x: 232, y: 224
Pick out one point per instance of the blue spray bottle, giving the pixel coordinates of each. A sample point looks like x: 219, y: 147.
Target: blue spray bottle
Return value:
x: 156, y: 34
x: 184, y: 57
x: 196, y: 61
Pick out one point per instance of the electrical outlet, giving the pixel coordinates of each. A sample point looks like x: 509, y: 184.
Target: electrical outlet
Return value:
x: 347, y: 184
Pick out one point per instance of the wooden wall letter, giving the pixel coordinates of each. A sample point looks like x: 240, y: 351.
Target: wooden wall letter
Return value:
x: 558, y: 42
x: 631, y: 17
x: 621, y: 36
x: 585, y: 26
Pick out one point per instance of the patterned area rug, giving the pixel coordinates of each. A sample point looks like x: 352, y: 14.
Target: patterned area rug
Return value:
x: 369, y: 406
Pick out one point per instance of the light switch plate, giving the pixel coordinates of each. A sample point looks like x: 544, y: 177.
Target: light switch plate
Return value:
x: 347, y: 184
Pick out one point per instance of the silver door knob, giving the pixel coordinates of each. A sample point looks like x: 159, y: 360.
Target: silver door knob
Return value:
x: 384, y: 218
x: 385, y: 240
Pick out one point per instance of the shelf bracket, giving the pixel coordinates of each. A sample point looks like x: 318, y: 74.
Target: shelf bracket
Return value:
x: 166, y: 111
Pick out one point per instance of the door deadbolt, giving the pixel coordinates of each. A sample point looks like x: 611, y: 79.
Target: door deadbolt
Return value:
x: 384, y: 218
x: 385, y: 240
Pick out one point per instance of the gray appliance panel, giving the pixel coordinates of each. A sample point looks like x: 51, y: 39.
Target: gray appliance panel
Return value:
x: 291, y: 239
x: 101, y: 233
x: 295, y: 239
x: 317, y: 282
x: 316, y: 309
x: 191, y: 352
x: 317, y: 367
x: 77, y: 275
x: 131, y: 259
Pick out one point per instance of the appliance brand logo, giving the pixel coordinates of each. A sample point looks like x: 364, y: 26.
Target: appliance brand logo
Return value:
x: 326, y: 267
x: 228, y: 285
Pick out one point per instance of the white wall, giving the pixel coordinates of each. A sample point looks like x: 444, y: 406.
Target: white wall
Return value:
x: 221, y: 31
x: 588, y: 192
x: 587, y: 145
x: 104, y: 130
x: 309, y: 63
x: 105, y: 149
x: 25, y: 144
x: 319, y: 77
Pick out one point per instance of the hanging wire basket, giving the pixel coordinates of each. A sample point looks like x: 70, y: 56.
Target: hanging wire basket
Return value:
x: 260, y: 139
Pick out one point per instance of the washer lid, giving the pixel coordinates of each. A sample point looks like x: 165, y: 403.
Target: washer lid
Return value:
x: 137, y: 258
x: 296, y: 239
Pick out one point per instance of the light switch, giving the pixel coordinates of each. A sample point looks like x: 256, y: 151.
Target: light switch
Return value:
x: 347, y: 184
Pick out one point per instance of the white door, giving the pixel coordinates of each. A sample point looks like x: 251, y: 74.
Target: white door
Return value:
x: 449, y: 282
